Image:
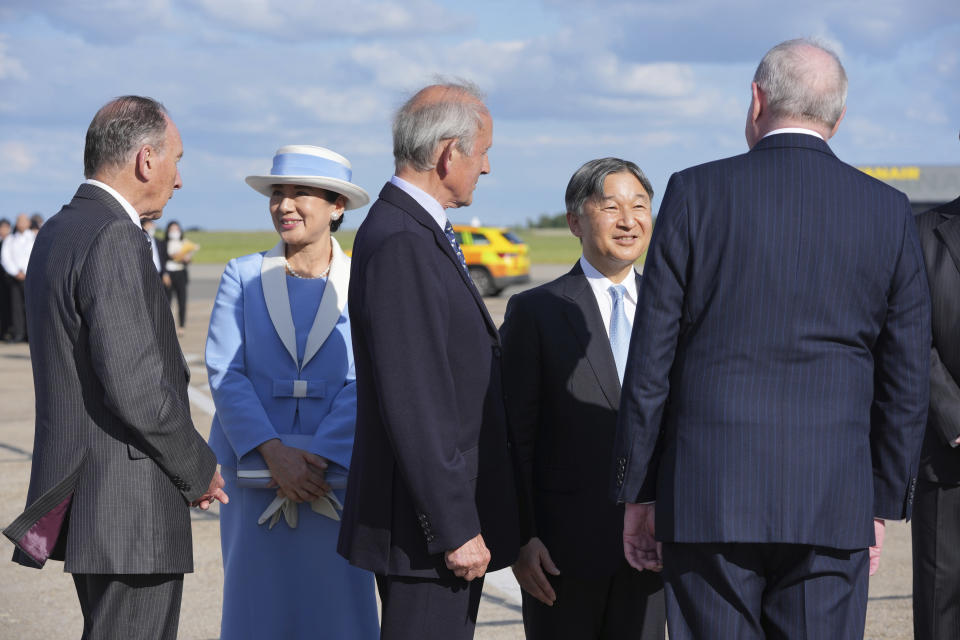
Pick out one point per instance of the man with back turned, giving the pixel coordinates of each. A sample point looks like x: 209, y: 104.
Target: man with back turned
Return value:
x: 776, y: 388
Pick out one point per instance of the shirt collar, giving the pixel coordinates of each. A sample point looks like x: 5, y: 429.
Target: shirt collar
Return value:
x: 601, y: 284
x: 424, y: 199
x: 809, y: 132
x: 134, y: 216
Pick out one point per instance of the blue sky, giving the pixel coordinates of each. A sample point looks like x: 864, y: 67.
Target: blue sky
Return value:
x: 662, y: 83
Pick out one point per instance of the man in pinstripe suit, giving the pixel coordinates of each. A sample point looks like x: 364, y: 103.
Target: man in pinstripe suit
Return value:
x: 116, y: 459
x: 776, y: 389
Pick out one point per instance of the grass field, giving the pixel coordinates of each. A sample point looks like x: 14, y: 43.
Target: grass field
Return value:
x: 547, y: 246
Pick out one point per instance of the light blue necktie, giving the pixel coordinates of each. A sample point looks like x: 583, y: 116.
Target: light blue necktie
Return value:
x: 452, y: 237
x: 619, y: 329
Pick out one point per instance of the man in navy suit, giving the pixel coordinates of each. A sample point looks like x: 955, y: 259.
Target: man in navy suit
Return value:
x: 564, y: 351
x: 431, y: 502
x: 776, y: 391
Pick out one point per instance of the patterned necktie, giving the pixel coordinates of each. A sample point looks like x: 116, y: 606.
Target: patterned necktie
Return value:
x: 619, y: 329
x: 452, y: 238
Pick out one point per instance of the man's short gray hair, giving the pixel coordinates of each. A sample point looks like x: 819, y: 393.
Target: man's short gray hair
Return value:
x: 587, y: 183
x: 800, y: 86
x: 419, y: 126
x: 119, y: 129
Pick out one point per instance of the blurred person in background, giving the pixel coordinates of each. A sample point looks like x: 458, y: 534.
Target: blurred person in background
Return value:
x: 176, y: 252
x: 936, y: 512
x: 15, y: 256
x: 36, y: 221
x: 281, y: 371
x: 564, y: 351
x: 5, y: 228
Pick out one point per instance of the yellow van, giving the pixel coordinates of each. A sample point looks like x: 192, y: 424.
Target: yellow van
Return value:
x: 495, y: 257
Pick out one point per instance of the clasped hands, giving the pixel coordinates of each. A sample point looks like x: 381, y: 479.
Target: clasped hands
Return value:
x: 298, y: 475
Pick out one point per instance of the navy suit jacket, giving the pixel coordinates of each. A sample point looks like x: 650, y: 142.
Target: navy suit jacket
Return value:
x: 778, y: 377
x: 432, y: 466
x: 562, y: 406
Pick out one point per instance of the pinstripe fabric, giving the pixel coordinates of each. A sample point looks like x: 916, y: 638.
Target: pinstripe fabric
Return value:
x: 778, y: 377
x: 431, y: 463
x: 764, y: 592
x: 129, y: 607
x: 112, y: 417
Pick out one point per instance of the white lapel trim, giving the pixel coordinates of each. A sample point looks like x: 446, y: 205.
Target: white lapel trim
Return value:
x: 273, y: 279
x: 333, y: 302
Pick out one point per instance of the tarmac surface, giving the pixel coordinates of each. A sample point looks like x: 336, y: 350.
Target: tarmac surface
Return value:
x: 38, y: 605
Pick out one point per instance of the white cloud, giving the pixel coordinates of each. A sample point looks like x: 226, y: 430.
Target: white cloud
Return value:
x: 661, y: 79
x: 17, y: 157
x: 10, y: 67
x: 330, y: 19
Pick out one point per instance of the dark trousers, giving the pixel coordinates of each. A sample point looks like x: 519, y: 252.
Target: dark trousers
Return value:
x: 764, y: 591
x: 936, y: 561
x: 4, y: 303
x: 18, y: 309
x: 628, y: 604
x: 424, y: 609
x: 178, y: 289
x: 129, y: 607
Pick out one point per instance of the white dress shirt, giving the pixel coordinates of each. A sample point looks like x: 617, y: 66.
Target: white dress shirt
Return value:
x: 600, y: 284
x: 809, y: 132
x: 134, y: 216
x: 16, y: 251
x: 155, y: 252
x: 424, y: 199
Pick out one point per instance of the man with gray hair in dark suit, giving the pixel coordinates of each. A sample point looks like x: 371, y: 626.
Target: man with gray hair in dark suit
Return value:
x: 776, y: 389
x: 116, y: 459
x: 431, y: 502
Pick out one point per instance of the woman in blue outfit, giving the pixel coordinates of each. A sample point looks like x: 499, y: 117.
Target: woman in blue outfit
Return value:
x: 280, y: 364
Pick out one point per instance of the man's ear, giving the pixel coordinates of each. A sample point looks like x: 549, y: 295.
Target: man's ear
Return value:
x: 145, y: 162
x: 573, y: 221
x: 446, y: 156
x: 758, y: 103
x: 836, y: 125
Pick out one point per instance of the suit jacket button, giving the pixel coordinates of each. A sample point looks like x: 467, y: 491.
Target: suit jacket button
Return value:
x: 496, y: 352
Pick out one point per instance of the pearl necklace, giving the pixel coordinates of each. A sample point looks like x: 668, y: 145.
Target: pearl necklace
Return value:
x: 297, y: 275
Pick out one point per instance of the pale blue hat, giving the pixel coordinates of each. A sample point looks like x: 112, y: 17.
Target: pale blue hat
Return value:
x: 311, y: 166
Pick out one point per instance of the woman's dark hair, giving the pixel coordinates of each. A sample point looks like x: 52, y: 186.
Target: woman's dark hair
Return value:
x: 166, y: 232
x: 331, y: 197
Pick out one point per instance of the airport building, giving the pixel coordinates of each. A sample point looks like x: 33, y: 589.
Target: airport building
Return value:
x: 926, y: 185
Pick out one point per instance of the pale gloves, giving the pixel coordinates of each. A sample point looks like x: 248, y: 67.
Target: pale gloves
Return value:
x: 325, y: 506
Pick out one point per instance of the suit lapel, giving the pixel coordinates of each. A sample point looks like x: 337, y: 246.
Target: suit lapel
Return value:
x: 587, y: 325
x: 949, y: 232
x: 273, y: 279
x: 332, y: 304
x: 398, y: 197
x: 93, y: 192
